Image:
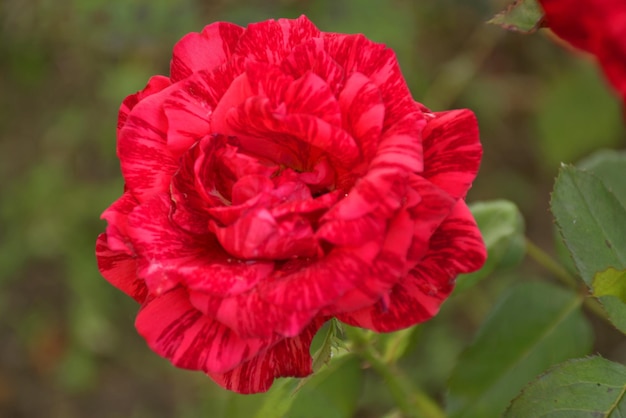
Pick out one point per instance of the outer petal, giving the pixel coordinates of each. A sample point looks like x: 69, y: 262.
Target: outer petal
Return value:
x: 117, y: 218
x: 250, y: 316
x: 277, y: 37
x: 179, y: 332
x: 155, y: 85
x: 356, y: 53
x: 168, y: 255
x: 457, y: 247
x: 120, y: 270
x: 452, y: 151
x: 289, y: 358
x: 147, y: 164
x: 205, y: 50
x: 187, y: 116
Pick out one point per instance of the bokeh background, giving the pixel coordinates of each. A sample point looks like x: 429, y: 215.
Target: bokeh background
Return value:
x: 67, y: 342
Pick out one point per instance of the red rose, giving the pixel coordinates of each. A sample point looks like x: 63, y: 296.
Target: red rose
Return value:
x: 595, y: 26
x: 279, y: 177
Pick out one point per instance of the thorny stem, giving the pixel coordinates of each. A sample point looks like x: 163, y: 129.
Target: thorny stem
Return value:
x: 545, y: 260
x: 410, y: 400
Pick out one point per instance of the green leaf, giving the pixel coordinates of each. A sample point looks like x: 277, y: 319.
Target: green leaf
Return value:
x: 582, y: 388
x: 524, y: 16
x: 533, y: 327
x: 591, y: 220
x: 609, y: 287
x: 502, y: 227
x: 609, y: 166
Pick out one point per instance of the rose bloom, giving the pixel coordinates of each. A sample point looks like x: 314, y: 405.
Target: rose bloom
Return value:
x: 594, y: 26
x: 282, y: 176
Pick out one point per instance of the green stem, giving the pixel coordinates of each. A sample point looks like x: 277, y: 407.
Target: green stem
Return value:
x: 544, y: 259
x: 412, y: 402
x: 457, y: 73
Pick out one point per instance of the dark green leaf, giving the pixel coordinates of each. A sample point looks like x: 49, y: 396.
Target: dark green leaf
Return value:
x: 609, y: 166
x: 582, y: 388
x: 535, y: 326
x: 521, y: 16
x: 591, y: 220
x: 502, y: 228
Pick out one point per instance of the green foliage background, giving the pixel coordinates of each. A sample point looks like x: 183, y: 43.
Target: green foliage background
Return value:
x: 67, y: 342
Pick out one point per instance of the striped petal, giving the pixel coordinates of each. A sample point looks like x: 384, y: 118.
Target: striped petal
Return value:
x: 147, y: 164
x: 311, y: 57
x: 356, y: 53
x: 455, y: 248
x: 116, y: 216
x: 277, y: 37
x: 176, y: 330
x: 120, y: 270
x: 258, y: 374
x: 169, y: 256
x: 406, y: 240
x: 205, y: 50
x: 310, y: 285
x: 155, y: 85
x: 363, y: 113
x: 187, y: 116
x: 452, y: 151
x: 250, y: 316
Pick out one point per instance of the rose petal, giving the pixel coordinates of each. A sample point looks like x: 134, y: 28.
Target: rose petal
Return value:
x: 155, y: 85
x: 258, y: 235
x: 147, y: 164
x: 598, y: 27
x: 187, y: 116
x: 405, y: 242
x: 433, y: 207
x: 401, y: 144
x: 250, y: 316
x: 168, y: 255
x: 277, y: 37
x: 312, y: 287
x: 179, y: 332
x: 120, y: 270
x: 311, y: 57
x: 356, y: 53
x: 380, y: 190
x: 116, y: 216
x: 455, y: 248
x: 452, y: 151
x: 258, y: 374
x: 363, y: 113
x: 205, y: 50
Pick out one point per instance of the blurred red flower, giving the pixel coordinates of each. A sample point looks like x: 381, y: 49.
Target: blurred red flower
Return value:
x: 595, y: 26
x: 279, y: 177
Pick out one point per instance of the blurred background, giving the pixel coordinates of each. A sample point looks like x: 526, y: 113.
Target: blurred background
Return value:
x: 68, y: 347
